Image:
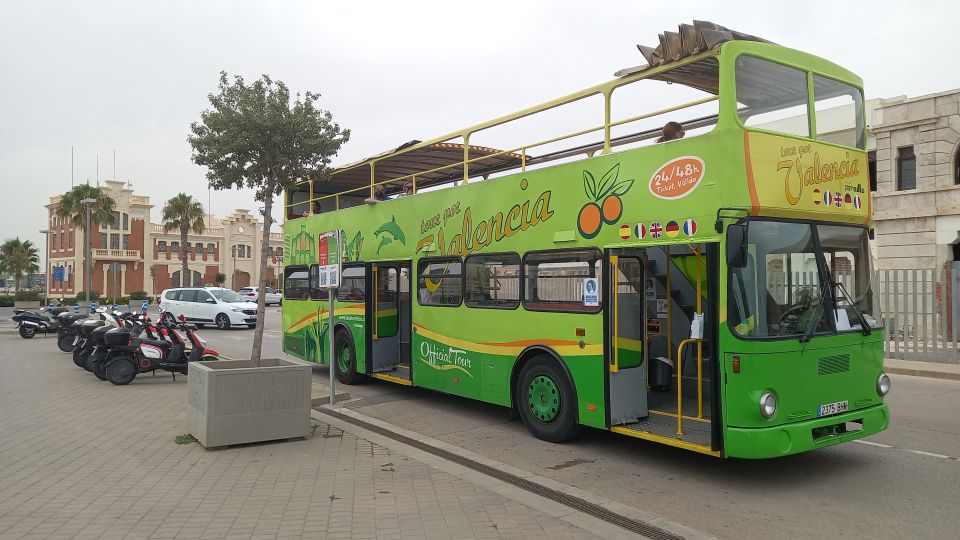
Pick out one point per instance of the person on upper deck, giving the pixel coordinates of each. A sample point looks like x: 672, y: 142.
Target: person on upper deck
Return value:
x: 671, y: 131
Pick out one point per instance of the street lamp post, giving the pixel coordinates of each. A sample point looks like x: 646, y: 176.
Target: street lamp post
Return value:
x: 46, y: 266
x: 88, y: 279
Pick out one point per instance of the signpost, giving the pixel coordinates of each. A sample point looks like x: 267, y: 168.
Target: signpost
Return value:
x: 328, y: 277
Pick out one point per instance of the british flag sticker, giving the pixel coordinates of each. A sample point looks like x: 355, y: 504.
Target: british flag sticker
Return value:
x: 640, y: 231
x: 656, y: 230
x: 838, y: 200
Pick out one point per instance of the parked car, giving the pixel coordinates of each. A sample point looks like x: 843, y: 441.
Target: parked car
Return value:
x: 213, y: 305
x: 272, y: 296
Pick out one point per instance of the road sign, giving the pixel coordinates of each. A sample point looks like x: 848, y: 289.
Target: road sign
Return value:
x: 58, y: 273
x: 328, y: 260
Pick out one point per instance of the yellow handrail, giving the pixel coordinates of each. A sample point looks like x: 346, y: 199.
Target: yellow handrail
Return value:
x: 696, y: 251
x: 615, y: 365
x: 680, y: 382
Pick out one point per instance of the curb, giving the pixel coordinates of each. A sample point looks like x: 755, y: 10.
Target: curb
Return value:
x: 928, y: 373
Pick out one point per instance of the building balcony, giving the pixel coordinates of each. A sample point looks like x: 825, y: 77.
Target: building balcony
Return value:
x: 117, y: 254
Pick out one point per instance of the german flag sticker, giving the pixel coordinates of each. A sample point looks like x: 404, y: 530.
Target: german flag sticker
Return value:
x: 672, y: 229
x: 625, y: 232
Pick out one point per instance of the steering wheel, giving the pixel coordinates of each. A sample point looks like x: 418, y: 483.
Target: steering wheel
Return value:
x: 792, y: 310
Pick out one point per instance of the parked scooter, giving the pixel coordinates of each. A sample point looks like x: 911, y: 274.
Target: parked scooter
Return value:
x: 69, y: 330
x: 132, y: 324
x: 132, y: 356
x: 31, y: 323
x: 85, y: 344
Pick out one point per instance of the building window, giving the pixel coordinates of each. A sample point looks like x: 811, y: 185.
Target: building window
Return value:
x: 175, y: 279
x: 872, y: 169
x: 70, y: 239
x: 210, y: 249
x: 126, y: 241
x: 114, y: 241
x: 54, y: 246
x: 161, y: 245
x: 126, y: 222
x: 906, y: 168
x: 103, y: 240
x: 956, y: 167
x: 116, y: 221
x: 175, y: 247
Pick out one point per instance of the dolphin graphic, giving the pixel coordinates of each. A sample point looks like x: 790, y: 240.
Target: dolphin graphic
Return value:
x: 390, y: 231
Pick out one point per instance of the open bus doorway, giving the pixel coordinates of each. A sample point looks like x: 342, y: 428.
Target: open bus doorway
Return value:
x: 660, y: 345
x: 389, y: 322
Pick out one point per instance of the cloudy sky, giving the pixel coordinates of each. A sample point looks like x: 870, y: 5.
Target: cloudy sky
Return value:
x: 129, y: 77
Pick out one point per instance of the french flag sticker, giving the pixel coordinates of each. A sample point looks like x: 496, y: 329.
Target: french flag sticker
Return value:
x: 690, y: 227
x: 856, y: 202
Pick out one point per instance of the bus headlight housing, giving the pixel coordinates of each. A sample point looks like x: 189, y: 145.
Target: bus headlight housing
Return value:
x: 883, y: 384
x: 768, y: 405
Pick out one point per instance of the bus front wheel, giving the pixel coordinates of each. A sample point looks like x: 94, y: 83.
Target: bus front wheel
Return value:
x: 546, y: 400
x: 345, y: 358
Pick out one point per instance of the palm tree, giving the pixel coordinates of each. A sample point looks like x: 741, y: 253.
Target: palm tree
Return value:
x: 101, y: 212
x: 186, y: 214
x: 19, y: 258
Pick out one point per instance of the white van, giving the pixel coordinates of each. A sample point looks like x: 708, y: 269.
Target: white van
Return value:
x: 213, y: 305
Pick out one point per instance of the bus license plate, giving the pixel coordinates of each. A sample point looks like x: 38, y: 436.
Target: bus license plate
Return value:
x: 834, y: 408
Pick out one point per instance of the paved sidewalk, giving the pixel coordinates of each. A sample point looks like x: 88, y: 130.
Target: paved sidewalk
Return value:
x: 933, y: 370
x: 81, y: 458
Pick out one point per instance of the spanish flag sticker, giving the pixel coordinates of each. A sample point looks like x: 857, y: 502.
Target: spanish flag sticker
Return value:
x: 625, y: 231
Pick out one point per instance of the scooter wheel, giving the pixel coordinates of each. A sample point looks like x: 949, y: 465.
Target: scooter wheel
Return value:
x: 100, y: 369
x: 27, y: 332
x: 65, y: 342
x: 121, y: 371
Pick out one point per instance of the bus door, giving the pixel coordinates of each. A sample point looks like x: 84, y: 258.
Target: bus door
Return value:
x: 388, y: 319
x: 626, y: 330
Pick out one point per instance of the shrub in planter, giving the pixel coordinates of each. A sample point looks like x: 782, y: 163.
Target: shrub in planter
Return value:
x: 138, y: 295
x: 28, y: 295
x: 6, y: 301
x: 82, y: 297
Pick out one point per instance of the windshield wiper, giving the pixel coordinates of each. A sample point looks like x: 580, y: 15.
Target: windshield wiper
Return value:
x: 863, y: 320
x: 812, y: 323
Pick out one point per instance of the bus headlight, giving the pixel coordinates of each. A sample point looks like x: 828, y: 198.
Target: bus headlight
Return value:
x: 768, y: 405
x: 883, y: 384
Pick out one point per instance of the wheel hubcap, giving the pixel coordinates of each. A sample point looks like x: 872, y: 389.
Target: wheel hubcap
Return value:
x: 343, y: 359
x: 544, y: 398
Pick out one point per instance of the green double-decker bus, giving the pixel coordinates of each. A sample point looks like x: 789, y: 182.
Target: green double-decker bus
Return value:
x: 690, y: 267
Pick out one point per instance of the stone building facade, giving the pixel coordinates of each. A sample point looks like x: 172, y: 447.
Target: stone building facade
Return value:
x: 915, y: 161
x: 135, y: 254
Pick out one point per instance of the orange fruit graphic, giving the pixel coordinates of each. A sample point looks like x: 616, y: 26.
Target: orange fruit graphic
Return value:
x: 612, y: 208
x: 588, y: 221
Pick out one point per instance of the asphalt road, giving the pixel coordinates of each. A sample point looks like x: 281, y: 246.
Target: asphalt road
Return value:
x: 902, y: 483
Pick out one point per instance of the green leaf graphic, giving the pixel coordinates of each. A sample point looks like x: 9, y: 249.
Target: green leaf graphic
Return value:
x: 608, y: 181
x: 623, y: 187
x: 589, y: 185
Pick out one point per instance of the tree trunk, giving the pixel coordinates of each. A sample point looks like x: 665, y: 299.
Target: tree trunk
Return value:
x: 262, y: 280
x: 183, y: 254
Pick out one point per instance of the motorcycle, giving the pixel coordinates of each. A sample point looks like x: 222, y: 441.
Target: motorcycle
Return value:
x: 31, y: 323
x: 133, y: 355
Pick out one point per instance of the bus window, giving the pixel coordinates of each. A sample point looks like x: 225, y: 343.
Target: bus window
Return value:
x: 440, y: 282
x: 296, y: 281
x: 493, y: 281
x: 298, y: 201
x: 554, y: 279
x: 353, y: 284
x: 848, y: 260
x: 772, y: 96
x: 838, y: 111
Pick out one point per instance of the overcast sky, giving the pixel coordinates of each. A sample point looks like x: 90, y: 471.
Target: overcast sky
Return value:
x: 130, y: 76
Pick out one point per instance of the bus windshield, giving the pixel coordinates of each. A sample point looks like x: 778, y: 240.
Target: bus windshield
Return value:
x: 781, y: 291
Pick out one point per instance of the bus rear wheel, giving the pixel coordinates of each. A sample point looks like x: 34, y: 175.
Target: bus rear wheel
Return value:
x: 345, y: 358
x: 546, y: 401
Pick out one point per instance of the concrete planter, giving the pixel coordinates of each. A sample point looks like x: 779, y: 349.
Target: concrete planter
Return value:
x: 26, y: 304
x: 230, y: 402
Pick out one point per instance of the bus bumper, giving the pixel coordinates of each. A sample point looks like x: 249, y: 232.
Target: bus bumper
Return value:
x: 799, y: 437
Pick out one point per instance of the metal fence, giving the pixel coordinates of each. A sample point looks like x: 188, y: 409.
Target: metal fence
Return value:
x: 921, y: 312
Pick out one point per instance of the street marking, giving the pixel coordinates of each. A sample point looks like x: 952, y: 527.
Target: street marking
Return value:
x: 930, y: 454
x: 871, y: 443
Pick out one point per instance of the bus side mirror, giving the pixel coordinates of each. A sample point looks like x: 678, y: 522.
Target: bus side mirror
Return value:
x: 737, y: 245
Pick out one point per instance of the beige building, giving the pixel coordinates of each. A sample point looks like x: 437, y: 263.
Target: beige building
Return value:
x: 135, y: 254
x: 915, y: 149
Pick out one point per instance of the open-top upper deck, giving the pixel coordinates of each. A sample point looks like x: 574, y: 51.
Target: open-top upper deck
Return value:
x: 760, y: 101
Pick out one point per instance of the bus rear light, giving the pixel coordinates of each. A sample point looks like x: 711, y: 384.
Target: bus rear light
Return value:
x: 456, y: 379
x: 591, y: 408
x: 736, y: 364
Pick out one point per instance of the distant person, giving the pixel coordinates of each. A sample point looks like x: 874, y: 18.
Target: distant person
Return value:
x: 671, y: 131
x: 407, y: 189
